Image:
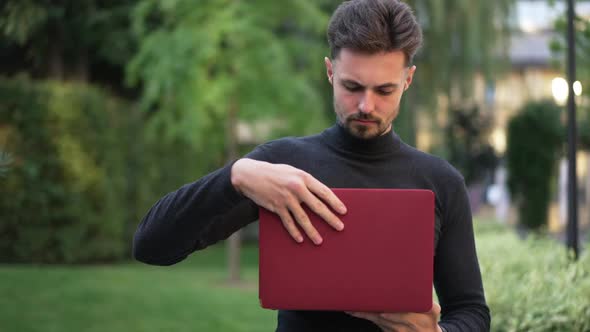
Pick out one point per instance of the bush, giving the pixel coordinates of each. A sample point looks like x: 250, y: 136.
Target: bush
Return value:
x: 64, y: 197
x: 532, y: 285
x: 79, y: 169
x: 535, y: 137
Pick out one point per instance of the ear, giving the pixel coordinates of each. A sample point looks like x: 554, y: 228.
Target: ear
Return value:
x: 409, y: 78
x: 329, y: 70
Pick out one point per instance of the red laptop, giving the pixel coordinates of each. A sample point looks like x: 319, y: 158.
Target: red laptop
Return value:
x: 381, y: 262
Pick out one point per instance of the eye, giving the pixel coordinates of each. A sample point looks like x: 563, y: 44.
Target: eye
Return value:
x: 384, y: 92
x: 352, y: 87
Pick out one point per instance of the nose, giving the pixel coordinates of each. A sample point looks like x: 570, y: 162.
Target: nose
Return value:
x: 367, y: 102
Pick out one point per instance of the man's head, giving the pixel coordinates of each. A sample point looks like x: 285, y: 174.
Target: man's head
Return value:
x: 372, y: 45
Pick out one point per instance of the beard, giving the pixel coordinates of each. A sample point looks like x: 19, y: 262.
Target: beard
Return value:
x: 376, y: 128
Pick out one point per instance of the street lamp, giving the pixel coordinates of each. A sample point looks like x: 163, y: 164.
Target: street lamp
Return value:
x: 572, y: 211
x: 564, y: 92
x: 560, y: 90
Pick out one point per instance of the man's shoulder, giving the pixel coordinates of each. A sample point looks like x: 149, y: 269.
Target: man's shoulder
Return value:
x: 293, y: 141
x: 434, y: 166
x: 285, y: 148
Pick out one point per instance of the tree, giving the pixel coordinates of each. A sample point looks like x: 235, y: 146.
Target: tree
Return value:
x: 65, y: 39
x: 204, y: 65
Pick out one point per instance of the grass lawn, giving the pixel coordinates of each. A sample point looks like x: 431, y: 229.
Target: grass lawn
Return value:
x: 524, y: 280
x: 190, y: 296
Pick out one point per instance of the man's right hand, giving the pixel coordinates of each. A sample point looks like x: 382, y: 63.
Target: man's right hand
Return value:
x: 282, y: 189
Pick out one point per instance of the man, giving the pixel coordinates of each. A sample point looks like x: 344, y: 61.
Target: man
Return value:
x: 372, y: 46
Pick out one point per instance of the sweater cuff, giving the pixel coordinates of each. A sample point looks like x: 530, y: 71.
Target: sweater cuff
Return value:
x: 231, y: 194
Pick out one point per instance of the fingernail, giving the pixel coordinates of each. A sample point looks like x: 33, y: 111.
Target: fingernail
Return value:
x: 299, y: 239
x: 342, y: 209
x: 318, y: 241
x: 340, y: 226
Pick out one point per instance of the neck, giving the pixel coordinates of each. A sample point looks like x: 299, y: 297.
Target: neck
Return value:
x: 341, y: 138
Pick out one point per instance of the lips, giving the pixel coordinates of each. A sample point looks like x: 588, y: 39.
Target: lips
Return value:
x: 364, y: 121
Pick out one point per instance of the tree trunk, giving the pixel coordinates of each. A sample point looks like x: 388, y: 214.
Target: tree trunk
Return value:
x: 55, y: 65
x: 234, y: 242
x: 80, y: 73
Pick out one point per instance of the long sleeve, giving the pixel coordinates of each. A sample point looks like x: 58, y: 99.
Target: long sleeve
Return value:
x: 193, y: 217
x: 457, y: 276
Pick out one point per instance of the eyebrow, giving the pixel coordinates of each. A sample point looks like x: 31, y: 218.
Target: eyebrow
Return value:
x: 382, y: 86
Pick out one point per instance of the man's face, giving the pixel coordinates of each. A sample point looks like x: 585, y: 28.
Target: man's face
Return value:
x: 368, y: 89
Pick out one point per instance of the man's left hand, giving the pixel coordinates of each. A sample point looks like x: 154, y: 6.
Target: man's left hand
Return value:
x: 404, y: 322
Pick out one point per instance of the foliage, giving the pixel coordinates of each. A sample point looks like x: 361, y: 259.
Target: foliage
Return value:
x: 469, y: 149
x: 61, y: 39
x: 532, y: 285
x: 461, y: 39
x: 202, y: 61
x: 64, y: 199
x: 534, y: 141
x: 81, y: 172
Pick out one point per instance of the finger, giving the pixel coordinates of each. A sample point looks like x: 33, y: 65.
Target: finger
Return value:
x: 395, y: 317
x: 325, y: 193
x: 384, y: 328
x: 435, y: 308
x: 290, y: 226
x: 396, y: 321
x: 322, y: 210
x: 303, y: 221
x: 387, y: 325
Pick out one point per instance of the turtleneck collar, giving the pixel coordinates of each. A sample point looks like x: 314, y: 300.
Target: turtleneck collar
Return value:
x: 340, y: 138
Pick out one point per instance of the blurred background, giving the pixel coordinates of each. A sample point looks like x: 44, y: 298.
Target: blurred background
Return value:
x: 105, y: 106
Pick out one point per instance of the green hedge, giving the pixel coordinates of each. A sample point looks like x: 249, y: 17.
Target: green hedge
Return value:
x: 535, y: 139
x: 79, y: 169
x: 531, y: 285
x: 63, y: 198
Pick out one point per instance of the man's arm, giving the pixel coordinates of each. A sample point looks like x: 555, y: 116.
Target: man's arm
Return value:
x: 457, y: 277
x: 212, y: 208
x: 191, y: 218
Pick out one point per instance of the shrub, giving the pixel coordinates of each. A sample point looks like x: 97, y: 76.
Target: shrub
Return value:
x: 535, y: 136
x: 79, y: 169
x: 64, y: 197
x: 532, y: 285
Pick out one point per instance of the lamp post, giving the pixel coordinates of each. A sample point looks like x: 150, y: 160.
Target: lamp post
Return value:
x: 564, y: 91
x: 572, y: 225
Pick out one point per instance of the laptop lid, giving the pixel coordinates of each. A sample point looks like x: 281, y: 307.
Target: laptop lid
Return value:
x: 381, y: 262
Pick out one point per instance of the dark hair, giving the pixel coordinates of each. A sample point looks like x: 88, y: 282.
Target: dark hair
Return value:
x: 374, y: 26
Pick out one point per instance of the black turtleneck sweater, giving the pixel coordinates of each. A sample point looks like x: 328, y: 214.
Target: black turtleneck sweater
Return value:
x: 209, y: 210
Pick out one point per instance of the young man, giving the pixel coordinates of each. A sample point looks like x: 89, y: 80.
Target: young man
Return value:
x: 372, y: 45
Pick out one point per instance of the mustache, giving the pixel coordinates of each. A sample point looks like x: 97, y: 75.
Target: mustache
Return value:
x: 362, y: 116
